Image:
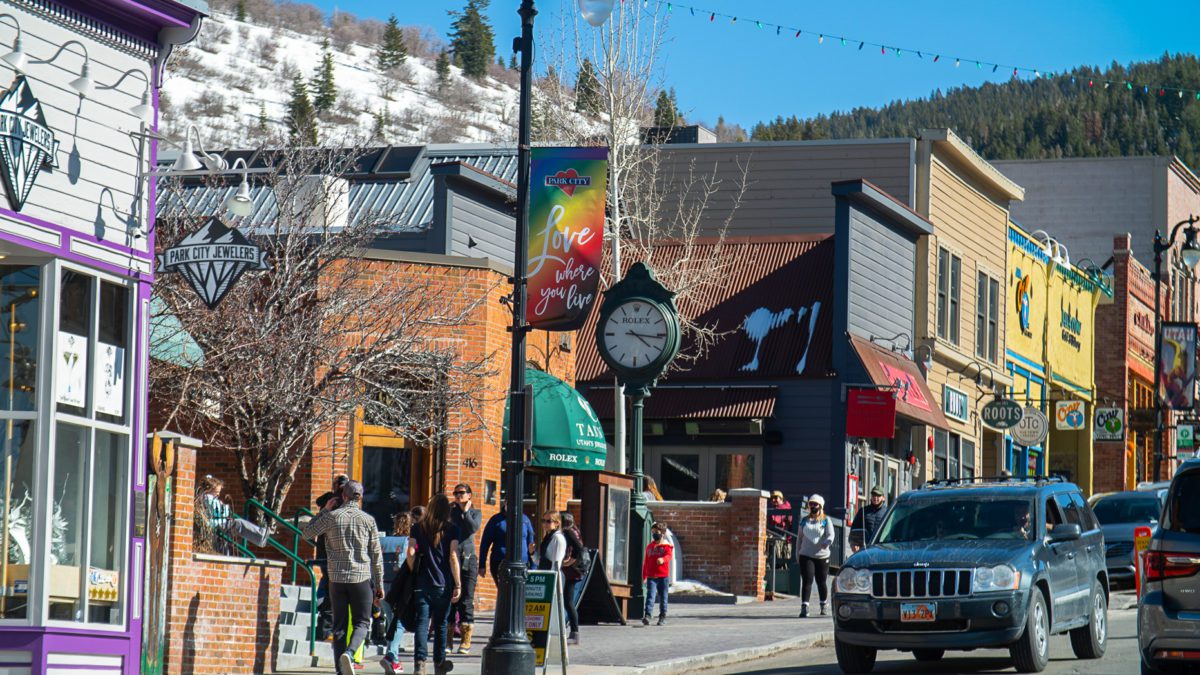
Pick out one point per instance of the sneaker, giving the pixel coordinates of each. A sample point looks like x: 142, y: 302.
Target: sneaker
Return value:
x: 573, y: 638
x: 804, y: 611
x: 345, y: 664
x: 824, y: 608
x: 391, y: 666
x: 662, y: 620
x: 442, y: 667
x: 645, y: 619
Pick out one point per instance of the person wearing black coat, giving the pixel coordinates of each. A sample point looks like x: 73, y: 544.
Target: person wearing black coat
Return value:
x: 867, y: 521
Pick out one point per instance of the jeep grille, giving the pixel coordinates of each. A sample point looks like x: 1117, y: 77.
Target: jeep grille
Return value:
x: 921, y: 583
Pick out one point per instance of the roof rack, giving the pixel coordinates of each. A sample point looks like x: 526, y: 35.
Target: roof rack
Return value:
x: 949, y: 482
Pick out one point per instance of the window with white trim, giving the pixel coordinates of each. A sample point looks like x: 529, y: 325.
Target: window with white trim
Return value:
x: 949, y: 281
x: 987, y: 317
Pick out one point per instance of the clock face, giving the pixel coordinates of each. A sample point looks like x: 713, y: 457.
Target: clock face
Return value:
x: 635, y: 334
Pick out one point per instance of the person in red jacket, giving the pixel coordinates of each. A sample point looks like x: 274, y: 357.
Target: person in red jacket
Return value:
x: 656, y: 572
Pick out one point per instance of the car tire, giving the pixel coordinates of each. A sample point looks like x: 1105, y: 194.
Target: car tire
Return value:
x: 1149, y: 670
x: 1090, y: 641
x: 1031, y: 651
x: 929, y: 654
x: 853, y: 659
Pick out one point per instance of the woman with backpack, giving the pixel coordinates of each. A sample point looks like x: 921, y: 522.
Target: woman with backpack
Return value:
x: 560, y: 550
x: 816, y: 537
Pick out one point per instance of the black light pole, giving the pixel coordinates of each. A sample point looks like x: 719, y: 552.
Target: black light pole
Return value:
x: 509, y: 651
x: 1190, y: 252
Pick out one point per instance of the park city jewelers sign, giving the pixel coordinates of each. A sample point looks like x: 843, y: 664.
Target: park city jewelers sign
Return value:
x: 566, y: 235
x: 27, y: 145
x: 212, y: 259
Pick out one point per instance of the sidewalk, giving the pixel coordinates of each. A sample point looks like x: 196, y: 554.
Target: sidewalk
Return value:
x: 698, y: 636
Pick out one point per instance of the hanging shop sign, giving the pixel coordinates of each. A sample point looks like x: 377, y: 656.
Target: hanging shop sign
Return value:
x: 1108, y: 424
x: 1032, y: 428
x: 27, y: 145
x: 870, y: 413
x: 1001, y: 414
x: 1177, y: 366
x: 1068, y: 415
x: 1185, y: 443
x: 212, y: 259
x: 566, y: 235
x: 955, y: 403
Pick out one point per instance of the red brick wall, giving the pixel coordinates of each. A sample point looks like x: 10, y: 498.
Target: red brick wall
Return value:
x: 1112, y: 368
x: 723, y: 544
x: 221, y: 615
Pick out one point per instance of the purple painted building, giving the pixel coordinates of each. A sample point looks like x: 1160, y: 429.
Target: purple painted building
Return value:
x: 76, y: 252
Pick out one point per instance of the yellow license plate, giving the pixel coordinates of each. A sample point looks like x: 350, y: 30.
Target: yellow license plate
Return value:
x: 918, y: 611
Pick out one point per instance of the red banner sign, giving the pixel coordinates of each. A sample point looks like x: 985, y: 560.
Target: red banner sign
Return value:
x: 567, y: 195
x: 870, y: 413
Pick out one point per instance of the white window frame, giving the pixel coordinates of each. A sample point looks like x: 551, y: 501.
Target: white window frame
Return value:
x: 708, y: 458
x: 949, y: 296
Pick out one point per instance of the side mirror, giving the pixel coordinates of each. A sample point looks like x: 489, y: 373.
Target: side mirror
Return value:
x: 1065, y: 532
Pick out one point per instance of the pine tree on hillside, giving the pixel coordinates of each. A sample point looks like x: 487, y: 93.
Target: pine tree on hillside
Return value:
x: 262, y: 116
x: 666, y: 113
x: 587, y: 90
x: 240, y: 12
x: 513, y: 64
x: 471, y: 39
x: 302, y: 118
x: 323, y: 86
x: 392, y: 50
x: 442, y: 68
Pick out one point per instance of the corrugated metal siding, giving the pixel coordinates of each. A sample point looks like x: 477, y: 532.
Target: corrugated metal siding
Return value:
x: 685, y: 404
x: 764, y: 276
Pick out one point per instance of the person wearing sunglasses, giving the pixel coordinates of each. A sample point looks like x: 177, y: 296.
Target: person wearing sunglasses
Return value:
x: 468, y: 520
x: 816, y: 538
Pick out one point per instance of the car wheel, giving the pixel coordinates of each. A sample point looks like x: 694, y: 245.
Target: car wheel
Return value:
x: 1031, y: 651
x: 1090, y: 641
x: 1149, y: 670
x: 852, y: 659
x: 929, y: 654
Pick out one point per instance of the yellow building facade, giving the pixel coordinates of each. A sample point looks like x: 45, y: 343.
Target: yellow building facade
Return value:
x: 1050, y: 355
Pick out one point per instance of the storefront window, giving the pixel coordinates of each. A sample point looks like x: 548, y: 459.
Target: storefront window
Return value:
x: 20, y: 293
x: 679, y: 477
x: 112, y: 349
x: 735, y: 471
x: 19, y: 449
x: 106, y: 532
x: 616, y: 554
x: 68, y: 522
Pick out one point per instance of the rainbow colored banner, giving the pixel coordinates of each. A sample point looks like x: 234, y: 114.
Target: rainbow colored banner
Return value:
x: 566, y: 235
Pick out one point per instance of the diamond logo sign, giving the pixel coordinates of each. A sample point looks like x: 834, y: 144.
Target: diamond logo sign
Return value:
x: 27, y: 146
x: 212, y: 259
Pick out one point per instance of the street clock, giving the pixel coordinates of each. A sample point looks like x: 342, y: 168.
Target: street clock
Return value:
x: 638, y: 332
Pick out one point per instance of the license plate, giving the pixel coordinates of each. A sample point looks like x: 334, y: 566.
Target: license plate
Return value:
x: 918, y: 611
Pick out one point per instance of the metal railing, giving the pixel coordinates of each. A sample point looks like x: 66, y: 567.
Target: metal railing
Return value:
x: 293, y: 555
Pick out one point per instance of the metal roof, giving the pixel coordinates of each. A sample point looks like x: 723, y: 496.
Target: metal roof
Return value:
x: 775, y: 302
x: 391, y: 183
x: 696, y: 403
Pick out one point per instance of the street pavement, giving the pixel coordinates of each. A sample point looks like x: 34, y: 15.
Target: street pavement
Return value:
x: 1121, y: 658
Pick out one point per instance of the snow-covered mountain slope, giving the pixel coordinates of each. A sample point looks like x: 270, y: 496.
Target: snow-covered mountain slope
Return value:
x: 234, y: 83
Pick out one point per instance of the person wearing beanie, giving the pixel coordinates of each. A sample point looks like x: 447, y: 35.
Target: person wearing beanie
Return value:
x: 868, y: 519
x: 816, y: 537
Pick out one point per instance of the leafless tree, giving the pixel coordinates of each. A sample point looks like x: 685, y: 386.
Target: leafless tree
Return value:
x: 322, y: 336
x: 652, y: 200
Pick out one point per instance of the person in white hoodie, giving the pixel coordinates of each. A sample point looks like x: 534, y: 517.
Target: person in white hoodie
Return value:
x: 816, y: 536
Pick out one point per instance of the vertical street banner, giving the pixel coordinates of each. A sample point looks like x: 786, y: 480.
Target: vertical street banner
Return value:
x: 1177, y: 366
x: 567, y: 196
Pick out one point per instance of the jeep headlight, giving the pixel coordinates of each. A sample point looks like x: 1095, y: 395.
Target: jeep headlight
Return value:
x: 998, y: 578
x: 850, y: 580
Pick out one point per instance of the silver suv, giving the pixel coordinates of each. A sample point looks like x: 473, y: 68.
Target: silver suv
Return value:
x: 1169, y: 611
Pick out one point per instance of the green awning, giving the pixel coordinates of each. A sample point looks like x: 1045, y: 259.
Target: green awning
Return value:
x: 169, y: 342
x: 566, y: 432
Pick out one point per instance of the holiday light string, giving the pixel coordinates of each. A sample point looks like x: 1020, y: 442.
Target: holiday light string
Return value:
x: 885, y: 49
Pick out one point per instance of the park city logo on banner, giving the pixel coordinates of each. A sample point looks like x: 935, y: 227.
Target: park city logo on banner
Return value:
x: 212, y: 259
x: 566, y: 235
x: 27, y: 145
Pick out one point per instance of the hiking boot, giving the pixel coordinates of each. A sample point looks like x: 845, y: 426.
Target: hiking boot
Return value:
x: 824, y: 609
x: 804, y: 611
x: 419, y: 668
x: 645, y: 619
x: 464, y: 645
x: 345, y: 664
x: 442, y: 667
x: 662, y: 620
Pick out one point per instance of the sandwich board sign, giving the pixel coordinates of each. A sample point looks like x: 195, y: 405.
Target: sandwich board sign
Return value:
x: 545, y: 618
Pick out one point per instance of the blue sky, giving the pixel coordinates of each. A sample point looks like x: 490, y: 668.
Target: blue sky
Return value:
x: 750, y: 74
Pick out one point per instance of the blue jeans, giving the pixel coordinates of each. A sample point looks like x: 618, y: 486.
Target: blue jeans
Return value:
x: 393, y: 647
x: 657, y: 587
x: 433, y: 607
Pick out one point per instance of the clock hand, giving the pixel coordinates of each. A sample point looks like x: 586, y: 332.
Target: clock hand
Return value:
x: 639, y: 337
x: 654, y: 336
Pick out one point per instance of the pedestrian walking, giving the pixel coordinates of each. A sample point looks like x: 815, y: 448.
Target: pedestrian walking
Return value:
x: 573, y: 575
x: 355, y: 564
x: 559, y: 548
x: 816, y: 536
x: 468, y: 520
x: 493, y: 545
x: 656, y: 572
x: 395, y: 551
x: 433, y: 557
x: 332, y: 499
x: 868, y: 519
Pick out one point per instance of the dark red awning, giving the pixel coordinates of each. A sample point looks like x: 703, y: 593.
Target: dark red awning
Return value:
x: 889, y: 369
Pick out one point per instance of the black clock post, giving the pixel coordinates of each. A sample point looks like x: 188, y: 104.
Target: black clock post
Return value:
x: 638, y: 336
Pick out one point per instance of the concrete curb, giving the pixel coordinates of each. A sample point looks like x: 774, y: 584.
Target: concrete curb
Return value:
x: 691, y: 664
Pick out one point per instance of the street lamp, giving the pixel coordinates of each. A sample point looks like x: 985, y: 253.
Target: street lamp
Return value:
x: 1190, y: 253
x: 508, y: 651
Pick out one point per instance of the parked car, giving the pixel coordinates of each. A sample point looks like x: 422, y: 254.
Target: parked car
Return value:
x: 1120, y: 513
x: 985, y: 563
x: 1169, y: 609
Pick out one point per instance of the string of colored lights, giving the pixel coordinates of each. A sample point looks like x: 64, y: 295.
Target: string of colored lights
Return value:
x: 933, y: 56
